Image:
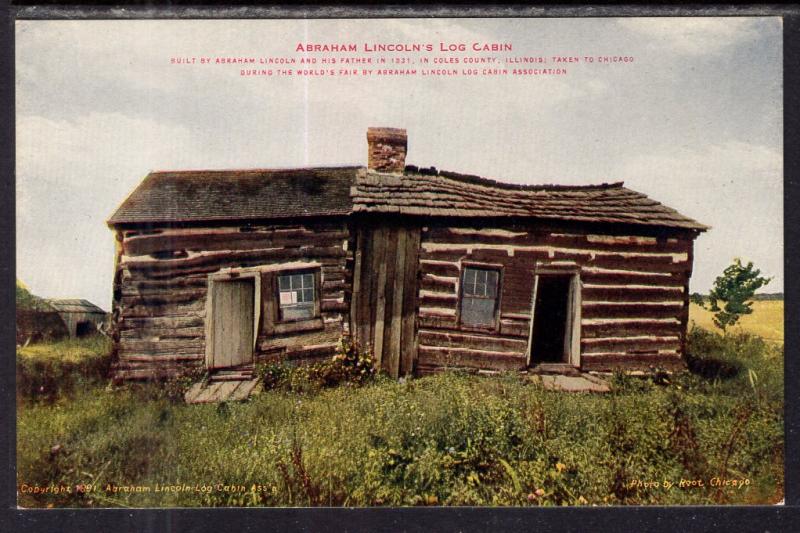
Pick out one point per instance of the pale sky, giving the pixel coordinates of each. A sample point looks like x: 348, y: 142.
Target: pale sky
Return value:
x: 695, y: 121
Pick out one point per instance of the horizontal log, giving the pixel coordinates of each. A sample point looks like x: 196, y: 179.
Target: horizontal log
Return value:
x: 471, y: 341
x: 553, y: 252
x: 232, y: 240
x: 164, y: 300
x: 647, y: 363
x: 330, y: 334
x: 167, y: 294
x: 333, y: 274
x: 161, y: 322
x: 333, y: 305
x: 630, y: 328
x: 161, y: 346
x: 525, y: 261
x: 439, y: 268
x: 152, y: 372
x: 438, y: 300
x: 193, y: 309
x: 639, y: 344
x: 425, y: 310
x: 516, y: 316
x: 515, y: 328
x: 160, y: 359
x: 230, y: 258
x: 636, y: 293
x: 631, y: 277
x: 618, y: 310
x: 310, y: 351
x: 462, y: 357
x: 443, y: 284
x: 328, y: 264
x: 636, y: 263
x: 165, y: 284
x: 523, y: 236
x: 516, y: 302
x: 487, y: 255
x: 126, y: 332
x: 437, y: 322
x: 302, y: 326
x: 333, y: 286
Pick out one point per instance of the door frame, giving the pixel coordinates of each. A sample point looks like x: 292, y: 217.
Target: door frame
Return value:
x: 572, y: 333
x: 222, y: 277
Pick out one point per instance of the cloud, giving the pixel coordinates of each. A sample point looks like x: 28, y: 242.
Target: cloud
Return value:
x: 735, y: 187
x: 694, y: 36
x: 71, y: 175
x: 99, y: 104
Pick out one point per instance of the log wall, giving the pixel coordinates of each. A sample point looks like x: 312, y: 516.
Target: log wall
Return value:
x: 161, y: 282
x: 634, y: 296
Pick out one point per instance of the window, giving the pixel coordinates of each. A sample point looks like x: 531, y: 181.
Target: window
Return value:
x: 479, y: 296
x: 296, y: 295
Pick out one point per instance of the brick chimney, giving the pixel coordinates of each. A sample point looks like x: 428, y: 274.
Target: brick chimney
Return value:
x: 387, y: 149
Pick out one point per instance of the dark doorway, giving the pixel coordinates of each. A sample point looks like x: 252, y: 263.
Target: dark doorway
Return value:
x: 85, y: 328
x: 550, y: 320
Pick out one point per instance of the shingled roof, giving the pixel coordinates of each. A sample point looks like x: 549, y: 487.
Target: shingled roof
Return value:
x: 74, y: 305
x: 218, y: 195
x: 433, y: 193
x: 213, y: 195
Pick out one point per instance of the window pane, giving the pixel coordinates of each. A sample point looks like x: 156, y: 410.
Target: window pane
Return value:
x: 477, y: 311
x: 284, y: 282
x: 480, y: 289
x: 298, y: 311
x: 491, y: 284
x: 481, y: 282
x: 308, y: 295
x: 469, y: 275
x: 469, y: 281
x: 308, y: 280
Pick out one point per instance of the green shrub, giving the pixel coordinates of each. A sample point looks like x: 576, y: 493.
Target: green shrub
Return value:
x: 349, y: 365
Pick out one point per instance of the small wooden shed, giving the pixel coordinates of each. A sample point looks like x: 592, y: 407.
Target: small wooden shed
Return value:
x: 427, y: 269
x: 81, y: 317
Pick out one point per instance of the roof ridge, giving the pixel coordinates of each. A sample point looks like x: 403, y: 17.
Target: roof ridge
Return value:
x: 491, y: 182
x: 253, y: 170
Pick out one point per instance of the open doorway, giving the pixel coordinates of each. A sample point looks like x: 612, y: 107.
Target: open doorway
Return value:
x: 555, y: 335
x: 85, y: 328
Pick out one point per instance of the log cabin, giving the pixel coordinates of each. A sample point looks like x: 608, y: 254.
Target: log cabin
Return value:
x: 425, y: 269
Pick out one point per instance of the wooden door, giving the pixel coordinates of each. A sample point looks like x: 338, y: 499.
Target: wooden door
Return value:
x: 232, y: 322
x: 383, y: 313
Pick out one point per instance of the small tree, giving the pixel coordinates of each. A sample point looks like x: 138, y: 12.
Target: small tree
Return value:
x: 697, y: 298
x: 729, y: 299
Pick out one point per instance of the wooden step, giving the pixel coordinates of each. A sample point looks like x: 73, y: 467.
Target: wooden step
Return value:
x: 222, y: 391
x: 555, y: 368
x: 233, y: 376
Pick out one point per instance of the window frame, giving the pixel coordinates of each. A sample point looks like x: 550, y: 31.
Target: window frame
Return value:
x: 316, y: 273
x: 494, y: 327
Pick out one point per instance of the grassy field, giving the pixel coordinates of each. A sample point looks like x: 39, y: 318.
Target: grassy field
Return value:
x: 766, y: 320
x: 449, y: 439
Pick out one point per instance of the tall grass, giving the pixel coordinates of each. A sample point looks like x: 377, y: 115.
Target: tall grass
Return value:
x: 449, y: 439
x: 53, y: 370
